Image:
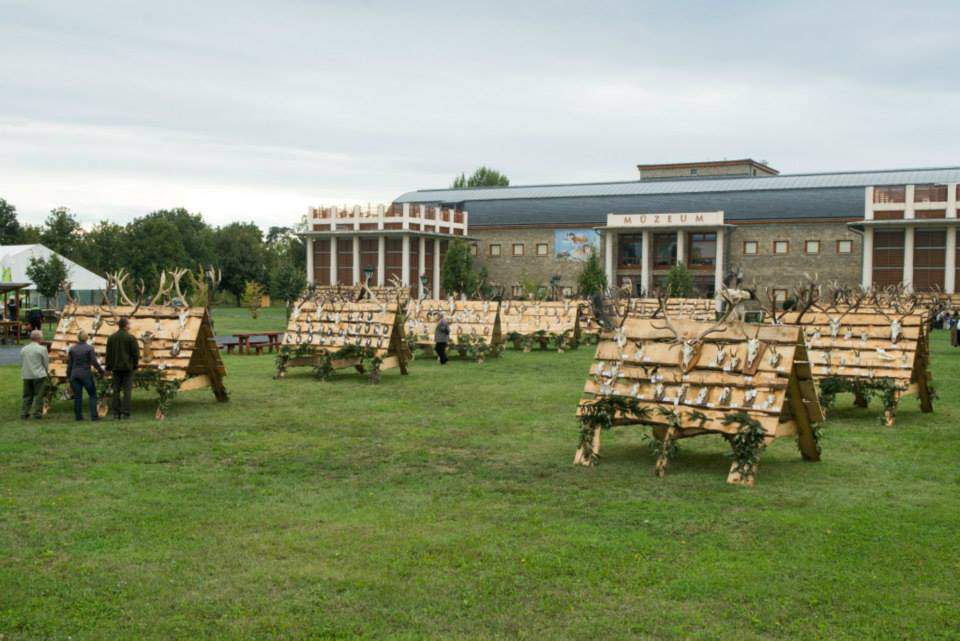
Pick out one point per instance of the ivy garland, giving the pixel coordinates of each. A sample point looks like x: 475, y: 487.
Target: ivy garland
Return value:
x: 166, y: 389
x: 476, y: 349
x: 601, y: 414
x: 286, y: 353
x: 747, y: 443
x: 885, y: 389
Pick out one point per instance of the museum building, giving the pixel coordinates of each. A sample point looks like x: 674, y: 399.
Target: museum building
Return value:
x: 719, y: 218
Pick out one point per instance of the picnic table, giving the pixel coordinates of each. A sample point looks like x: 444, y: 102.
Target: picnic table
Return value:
x: 256, y: 341
x: 10, y: 331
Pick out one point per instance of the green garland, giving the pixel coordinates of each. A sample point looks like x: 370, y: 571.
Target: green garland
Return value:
x: 476, y: 349
x: 666, y: 449
x: 166, y: 389
x: 601, y: 414
x: 885, y: 389
x: 286, y: 353
x: 747, y: 443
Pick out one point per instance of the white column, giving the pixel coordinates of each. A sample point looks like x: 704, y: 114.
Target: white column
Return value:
x: 950, y: 264
x: 436, y: 268
x: 309, y: 245
x: 405, y: 268
x: 681, y: 246
x: 381, y: 259
x: 608, y: 257
x: 908, y: 210
x: 952, y: 200
x: 333, y: 260
x: 645, y: 261
x: 356, y: 260
x: 908, y: 258
x: 866, y: 276
x: 718, y: 267
x: 421, y: 264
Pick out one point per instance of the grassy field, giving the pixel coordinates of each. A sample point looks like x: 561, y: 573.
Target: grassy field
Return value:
x: 444, y: 505
x: 228, y: 320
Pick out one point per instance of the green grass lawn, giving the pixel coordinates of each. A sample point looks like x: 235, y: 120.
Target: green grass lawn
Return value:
x: 444, y: 505
x: 227, y: 320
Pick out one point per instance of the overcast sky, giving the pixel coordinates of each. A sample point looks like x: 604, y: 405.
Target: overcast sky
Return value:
x: 256, y: 110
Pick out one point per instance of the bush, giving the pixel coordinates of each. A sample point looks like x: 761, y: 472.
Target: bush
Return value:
x: 680, y: 281
x: 592, y: 280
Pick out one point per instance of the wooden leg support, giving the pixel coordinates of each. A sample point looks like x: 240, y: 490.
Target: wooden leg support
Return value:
x: 664, y: 459
x: 805, y: 437
x: 582, y: 457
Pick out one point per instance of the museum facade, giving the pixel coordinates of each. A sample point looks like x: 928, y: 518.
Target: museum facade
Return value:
x: 718, y: 218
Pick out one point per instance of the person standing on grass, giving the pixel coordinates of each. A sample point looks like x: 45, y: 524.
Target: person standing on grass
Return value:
x: 441, y: 336
x: 35, y: 318
x: 80, y: 360
x: 34, y: 363
x: 123, y: 358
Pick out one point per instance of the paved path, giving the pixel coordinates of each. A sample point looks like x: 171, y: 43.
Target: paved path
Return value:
x: 9, y: 354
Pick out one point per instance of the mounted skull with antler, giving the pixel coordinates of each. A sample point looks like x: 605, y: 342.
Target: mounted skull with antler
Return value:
x: 690, y: 346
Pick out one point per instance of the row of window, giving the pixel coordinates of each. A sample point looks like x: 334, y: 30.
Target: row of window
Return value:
x: 782, y: 247
x: 495, y: 249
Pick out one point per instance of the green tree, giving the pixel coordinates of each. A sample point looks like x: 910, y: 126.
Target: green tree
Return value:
x: 287, y: 282
x: 680, y: 281
x: 240, y: 255
x: 153, y: 244
x: 9, y: 225
x: 62, y: 232
x: 103, y: 249
x: 458, y: 276
x: 482, y: 177
x: 48, y: 275
x: 252, y: 297
x: 591, y: 280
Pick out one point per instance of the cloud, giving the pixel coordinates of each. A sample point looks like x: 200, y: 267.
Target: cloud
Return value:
x: 253, y: 112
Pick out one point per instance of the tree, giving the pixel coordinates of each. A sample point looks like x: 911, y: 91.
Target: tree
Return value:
x: 591, y: 280
x: 252, y: 297
x: 62, y: 232
x: 103, y: 249
x: 680, y: 281
x: 240, y: 255
x: 458, y: 276
x: 9, y: 225
x: 48, y: 275
x: 483, y: 177
x: 287, y: 282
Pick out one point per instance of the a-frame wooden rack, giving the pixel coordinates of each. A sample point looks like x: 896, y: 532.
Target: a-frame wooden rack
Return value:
x: 336, y: 335
x: 748, y: 383
x: 528, y: 322
x: 475, y: 328
x: 868, y: 349
x: 178, y: 351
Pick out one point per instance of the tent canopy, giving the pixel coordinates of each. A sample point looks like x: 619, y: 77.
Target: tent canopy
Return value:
x: 14, y: 260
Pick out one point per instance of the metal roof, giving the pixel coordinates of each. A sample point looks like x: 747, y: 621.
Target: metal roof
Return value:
x: 854, y: 179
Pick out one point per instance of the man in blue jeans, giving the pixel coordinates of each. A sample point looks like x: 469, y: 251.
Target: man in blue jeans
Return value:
x: 81, y: 359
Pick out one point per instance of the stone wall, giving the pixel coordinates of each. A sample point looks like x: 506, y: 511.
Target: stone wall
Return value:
x: 786, y: 271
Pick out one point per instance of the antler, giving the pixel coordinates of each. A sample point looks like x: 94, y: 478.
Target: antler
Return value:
x: 176, y: 275
x: 162, y: 290
x: 120, y: 278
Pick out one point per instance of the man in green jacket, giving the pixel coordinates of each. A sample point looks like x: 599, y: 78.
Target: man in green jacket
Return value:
x: 34, y: 361
x: 123, y: 358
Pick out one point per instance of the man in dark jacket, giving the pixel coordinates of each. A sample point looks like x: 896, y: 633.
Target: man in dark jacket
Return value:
x: 35, y: 318
x: 441, y: 336
x: 123, y: 358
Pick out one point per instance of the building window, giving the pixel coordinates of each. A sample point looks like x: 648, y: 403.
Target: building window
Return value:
x: 703, y: 249
x: 568, y: 291
x: 929, y: 259
x: 516, y: 291
x: 629, y: 249
x: 811, y: 247
x: 518, y: 249
x: 888, y: 247
x: 781, y: 246
x: 474, y: 249
x: 751, y: 248
x: 930, y: 194
x: 664, y: 250
x: 844, y: 246
x: 543, y: 249
x: 495, y: 249
x: 883, y: 195
x: 780, y: 295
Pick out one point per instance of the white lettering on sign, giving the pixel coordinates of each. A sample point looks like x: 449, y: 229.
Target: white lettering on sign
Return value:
x: 687, y: 219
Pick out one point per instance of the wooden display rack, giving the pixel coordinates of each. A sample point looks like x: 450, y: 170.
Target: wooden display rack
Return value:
x: 178, y: 350
x: 748, y: 383
x: 699, y: 309
x: 526, y: 322
x: 474, y: 326
x: 331, y: 335
x: 354, y: 293
x: 868, y: 349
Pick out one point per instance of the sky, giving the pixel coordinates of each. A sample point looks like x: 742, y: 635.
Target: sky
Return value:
x: 254, y: 111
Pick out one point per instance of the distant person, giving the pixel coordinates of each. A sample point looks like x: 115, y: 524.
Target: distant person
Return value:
x: 123, y: 358
x: 34, y: 363
x: 954, y: 321
x: 81, y: 359
x: 441, y: 336
x: 35, y: 318
x: 12, y: 309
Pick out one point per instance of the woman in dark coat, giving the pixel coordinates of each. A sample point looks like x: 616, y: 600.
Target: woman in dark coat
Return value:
x: 441, y: 336
x: 81, y: 360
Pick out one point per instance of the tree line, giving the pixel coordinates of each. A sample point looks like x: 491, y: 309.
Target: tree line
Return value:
x: 171, y: 238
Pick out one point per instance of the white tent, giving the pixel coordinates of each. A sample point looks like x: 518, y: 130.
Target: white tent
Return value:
x: 14, y: 260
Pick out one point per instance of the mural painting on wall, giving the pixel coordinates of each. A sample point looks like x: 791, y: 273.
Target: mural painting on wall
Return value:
x: 576, y: 244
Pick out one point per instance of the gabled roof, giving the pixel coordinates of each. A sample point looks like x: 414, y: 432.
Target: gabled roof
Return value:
x: 706, y: 185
